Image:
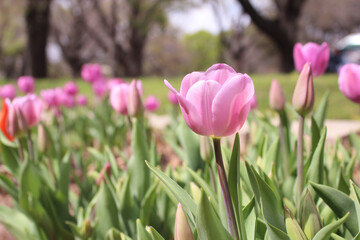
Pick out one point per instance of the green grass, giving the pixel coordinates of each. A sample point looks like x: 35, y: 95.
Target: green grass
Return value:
x: 339, y: 106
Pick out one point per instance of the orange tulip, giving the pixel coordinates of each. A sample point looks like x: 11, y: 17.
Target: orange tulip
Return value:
x: 3, y: 121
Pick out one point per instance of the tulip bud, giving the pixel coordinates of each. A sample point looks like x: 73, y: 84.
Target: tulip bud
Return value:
x: 134, y: 104
x: 293, y: 229
x: 276, y: 96
x: 310, y: 219
x: 43, y: 141
x: 303, y: 97
x: 195, y: 192
x: 106, y: 170
x: 182, y: 227
x: 86, y: 229
x: 206, y: 152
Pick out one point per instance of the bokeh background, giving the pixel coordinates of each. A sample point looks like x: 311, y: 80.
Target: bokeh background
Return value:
x: 53, y: 38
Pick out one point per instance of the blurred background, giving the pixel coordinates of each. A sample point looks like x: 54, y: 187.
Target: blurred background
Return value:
x: 53, y: 38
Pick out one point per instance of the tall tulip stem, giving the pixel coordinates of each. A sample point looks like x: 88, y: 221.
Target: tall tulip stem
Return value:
x: 300, y: 161
x: 230, y: 214
x: 30, y: 145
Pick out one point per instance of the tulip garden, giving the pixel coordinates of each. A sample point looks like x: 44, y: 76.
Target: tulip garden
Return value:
x: 79, y: 168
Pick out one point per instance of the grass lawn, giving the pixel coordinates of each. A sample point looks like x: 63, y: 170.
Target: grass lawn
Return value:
x: 339, y: 106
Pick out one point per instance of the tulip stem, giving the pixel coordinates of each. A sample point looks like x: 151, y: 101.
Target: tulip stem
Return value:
x: 225, y: 190
x: 30, y: 145
x: 21, y: 151
x: 300, y: 162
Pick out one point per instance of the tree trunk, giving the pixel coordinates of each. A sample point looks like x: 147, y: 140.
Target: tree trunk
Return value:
x: 37, y: 23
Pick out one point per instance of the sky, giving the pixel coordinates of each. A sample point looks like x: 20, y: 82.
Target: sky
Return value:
x: 204, y: 17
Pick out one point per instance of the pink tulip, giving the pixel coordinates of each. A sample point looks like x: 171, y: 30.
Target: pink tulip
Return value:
x: 114, y: 82
x: 30, y: 107
x: 304, y: 95
x: 215, y: 102
x: 81, y: 100
x: 349, y: 81
x: 317, y: 55
x: 276, y: 96
x: 26, y: 84
x: 100, y: 88
x: 253, y: 103
x: 172, y: 98
x: 66, y: 99
x: 52, y: 97
x: 91, y: 72
x: 8, y: 91
x: 134, y: 104
x: 151, y: 103
x: 71, y: 88
x: 119, y: 96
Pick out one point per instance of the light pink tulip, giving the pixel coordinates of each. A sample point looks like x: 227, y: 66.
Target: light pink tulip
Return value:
x: 114, y: 82
x: 26, y: 84
x: 7, y: 91
x: 349, y: 81
x: 151, y: 103
x: 30, y: 107
x: 253, y: 102
x: 81, y: 100
x: 215, y: 102
x: 172, y: 98
x: 276, y: 96
x: 119, y: 96
x: 317, y: 55
x: 91, y: 72
x: 66, y: 99
x: 304, y: 94
x: 100, y: 88
x: 71, y: 88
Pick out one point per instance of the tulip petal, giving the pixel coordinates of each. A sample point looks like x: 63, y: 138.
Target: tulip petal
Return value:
x: 220, y: 73
x: 118, y: 98
x: 322, y: 60
x: 3, y: 121
x: 231, y: 99
x: 349, y: 80
x: 201, y: 96
x: 189, y: 80
x: 238, y: 121
x: 299, y: 59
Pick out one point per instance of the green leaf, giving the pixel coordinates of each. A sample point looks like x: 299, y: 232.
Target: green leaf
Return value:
x: 142, y: 234
x: 293, y: 228
x: 315, y: 135
x: 355, y: 192
x: 191, y: 145
x: 234, y: 185
x: 326, y: 231
x: 208, y: 224
x: 18, y: 224
x: 271, y: 156
x: 106, y: 211
x: 140, y: 176
x: 114, y: 234
x: 315, y: 171
x: 202, y: 184
x: 65, y: 178
x: 181, y: 195
x: 154, y: 234
x: 9, y: 186
x: 148, y: 203
x: 340, y: 203
x: 267, y: 200
x: 309, y: 216
x: 129, y: 211
x: 8, y: 155
x: 110, y: 157
x: 320, y: 112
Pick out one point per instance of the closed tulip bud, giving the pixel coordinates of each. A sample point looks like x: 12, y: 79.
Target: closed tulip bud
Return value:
x: 42, y: 141
x: 276, y: 96
x: 134, y: 104
x: 293, y: 228
x: 206, y: 151
x: 303, y: 97
x: 26, y: 84
x: 182, y: 227
x: 310, y: 219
